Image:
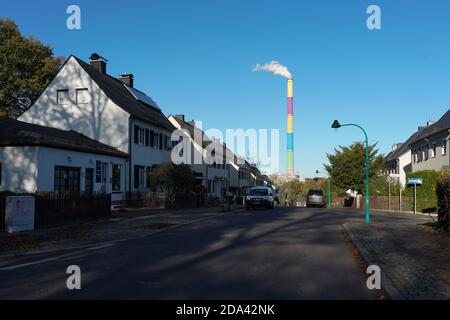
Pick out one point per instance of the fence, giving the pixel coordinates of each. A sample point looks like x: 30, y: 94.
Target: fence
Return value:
x: 383, y: 203
x: 56, y: 207
x: 145, y: 199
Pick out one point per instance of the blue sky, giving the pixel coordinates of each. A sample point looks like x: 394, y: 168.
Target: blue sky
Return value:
x: 195, y: 57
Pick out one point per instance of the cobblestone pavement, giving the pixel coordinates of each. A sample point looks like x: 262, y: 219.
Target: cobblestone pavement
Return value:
x: 414, y: 257
x: 120, y: 225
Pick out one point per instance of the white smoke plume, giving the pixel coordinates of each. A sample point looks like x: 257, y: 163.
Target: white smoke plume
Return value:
x: 274, y: 67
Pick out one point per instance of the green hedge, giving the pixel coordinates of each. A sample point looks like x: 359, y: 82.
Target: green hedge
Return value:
x: 443, y: 196
x: 426, y: 193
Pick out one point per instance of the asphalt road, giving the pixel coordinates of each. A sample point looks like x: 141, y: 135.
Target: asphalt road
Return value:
x: 284, y: 253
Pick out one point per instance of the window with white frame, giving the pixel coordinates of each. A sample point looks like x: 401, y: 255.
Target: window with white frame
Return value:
x: 83, y: 96
x: 444, y: 147
x: 433, y: 150
x: 141, y: 135
x: 427, y: 152
x: 62, y: 96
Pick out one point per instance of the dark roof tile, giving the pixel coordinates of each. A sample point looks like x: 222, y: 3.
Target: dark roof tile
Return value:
x: 116, y: 90
x: 18, y: 133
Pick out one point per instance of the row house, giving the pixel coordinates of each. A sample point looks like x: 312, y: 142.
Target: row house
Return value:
x: 429, y: 149
x: 425, y: 149
x: 234, y: 175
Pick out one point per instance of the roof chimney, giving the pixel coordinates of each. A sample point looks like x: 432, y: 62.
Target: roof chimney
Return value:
x: 180, y: 117
x: 192, y: 123
x: 128, y: 79
x: 98, y: 62
x: 430, y: 122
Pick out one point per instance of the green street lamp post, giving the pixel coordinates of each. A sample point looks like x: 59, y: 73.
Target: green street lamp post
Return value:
x: 337, y: 125
x: 329, y: 188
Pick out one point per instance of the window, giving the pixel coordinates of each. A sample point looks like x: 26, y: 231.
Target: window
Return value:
x: 152, y: 138
x: 0, y: 174
x: 67, y: 179
x: 89, y: 180
x: 147, y: 137
x: 116, y: 177
x: 444, y: 147
x: 210, y: 186
x: 427, y: 151
x: 83, y: 96
x: 98, y: 171
x: 160, y: 141
x: 62, y: 96
x: 433, y: 150
x: 139, y: 176
x: 141, y: 136
x: 148, y: 177
x: 156, y: 140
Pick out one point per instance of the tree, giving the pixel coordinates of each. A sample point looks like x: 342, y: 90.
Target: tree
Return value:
x: 172, y: 179
x: 27, y: 65
x: 347, y: 166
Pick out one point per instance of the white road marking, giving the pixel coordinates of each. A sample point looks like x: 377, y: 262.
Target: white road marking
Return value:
x: 18, y: 266
x: 101, y: 246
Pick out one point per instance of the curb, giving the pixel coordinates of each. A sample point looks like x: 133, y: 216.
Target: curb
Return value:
x: 22, y: 254
x: 387, y: 285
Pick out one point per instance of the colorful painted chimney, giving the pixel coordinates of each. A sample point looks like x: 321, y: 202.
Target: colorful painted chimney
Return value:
x: 290, y: 129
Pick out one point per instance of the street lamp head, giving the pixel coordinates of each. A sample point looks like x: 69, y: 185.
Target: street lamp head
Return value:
x: 336, y: 124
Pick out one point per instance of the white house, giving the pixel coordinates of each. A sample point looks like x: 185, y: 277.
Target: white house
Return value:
x: 213, y: 176
x: 398, y: 160
x: 84, y: 98
x: 37, y: 158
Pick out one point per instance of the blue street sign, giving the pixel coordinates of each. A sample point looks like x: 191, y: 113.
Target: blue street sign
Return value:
x: 416, y: 181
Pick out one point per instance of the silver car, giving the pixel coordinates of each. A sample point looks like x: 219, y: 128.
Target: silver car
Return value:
x: 315, y: 198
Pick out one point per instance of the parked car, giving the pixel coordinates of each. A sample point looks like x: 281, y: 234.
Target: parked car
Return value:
x: 315, y: 198
x: 260, y: 197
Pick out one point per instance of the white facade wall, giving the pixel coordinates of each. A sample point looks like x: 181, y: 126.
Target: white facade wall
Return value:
x: 31, y: 169
x: 18, y: 169
x: 99, y: 118
x: 404, y: 162
x: 48, y: 158
x: 146, y: 156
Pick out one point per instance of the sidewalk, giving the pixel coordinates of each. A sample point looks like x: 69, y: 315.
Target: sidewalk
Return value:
x: 131, y: 223
x: 414, y: 259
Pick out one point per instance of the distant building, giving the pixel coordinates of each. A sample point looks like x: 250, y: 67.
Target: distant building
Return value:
x: 398, y: 160
x: 429, y: 149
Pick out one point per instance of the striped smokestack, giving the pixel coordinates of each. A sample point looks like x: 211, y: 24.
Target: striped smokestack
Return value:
x: 290, y: 129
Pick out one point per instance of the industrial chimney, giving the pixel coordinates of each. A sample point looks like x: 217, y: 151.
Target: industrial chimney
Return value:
x: 290, y: 129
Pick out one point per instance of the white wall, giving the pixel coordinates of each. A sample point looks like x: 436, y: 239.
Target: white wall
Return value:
x: 147, y: 156
x: 31, y: 169
x: 48, y: 158
x: 19, y: 169
x: 100, y: 119
x: 404, y: 166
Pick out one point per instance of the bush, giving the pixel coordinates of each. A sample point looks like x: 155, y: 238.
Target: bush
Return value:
x: 443, y: 198
x: 426, y: 193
